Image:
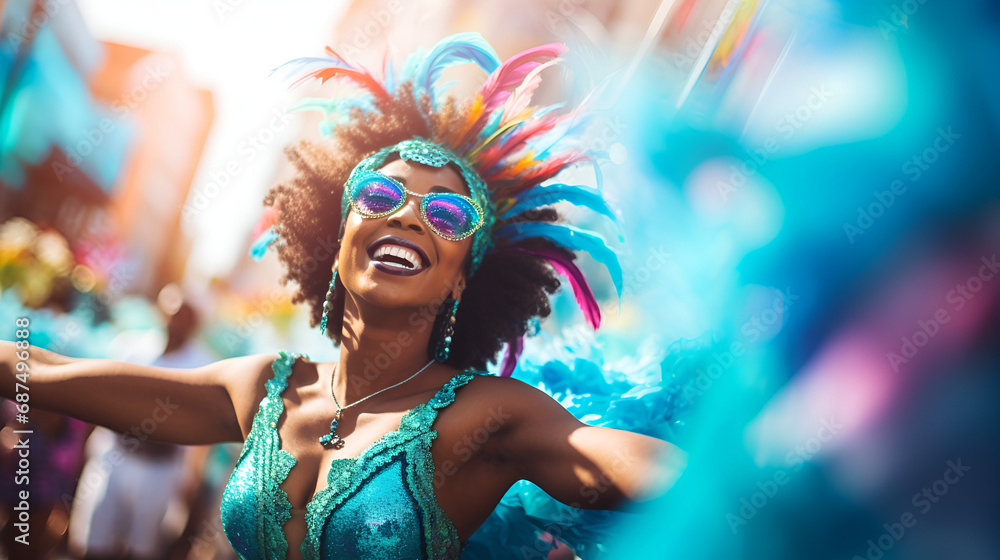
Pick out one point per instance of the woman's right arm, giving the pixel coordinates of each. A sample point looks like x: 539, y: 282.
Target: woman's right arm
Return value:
x: 210, y: 404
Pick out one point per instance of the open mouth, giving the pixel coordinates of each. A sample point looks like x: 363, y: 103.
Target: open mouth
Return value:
x: 396, y: 255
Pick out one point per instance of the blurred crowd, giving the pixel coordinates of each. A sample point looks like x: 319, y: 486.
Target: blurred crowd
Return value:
x: 96, y: 493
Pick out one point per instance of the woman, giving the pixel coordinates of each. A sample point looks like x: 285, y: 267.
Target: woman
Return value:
x: 446, y: 250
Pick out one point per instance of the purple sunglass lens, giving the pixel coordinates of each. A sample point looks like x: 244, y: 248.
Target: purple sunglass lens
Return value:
x: 378, y: 196
x: 451, y: 216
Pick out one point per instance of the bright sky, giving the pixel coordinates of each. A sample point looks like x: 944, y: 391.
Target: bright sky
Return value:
x: 229, y: 47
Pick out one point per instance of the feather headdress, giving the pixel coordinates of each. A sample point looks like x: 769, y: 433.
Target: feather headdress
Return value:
x: 510, y: 146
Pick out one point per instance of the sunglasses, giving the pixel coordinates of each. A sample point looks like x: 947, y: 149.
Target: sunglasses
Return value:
x: 451, y: 215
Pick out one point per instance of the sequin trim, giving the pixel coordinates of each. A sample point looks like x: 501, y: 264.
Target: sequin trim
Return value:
x: 272, y: 465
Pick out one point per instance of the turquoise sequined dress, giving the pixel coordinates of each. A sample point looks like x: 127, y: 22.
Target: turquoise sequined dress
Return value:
x: 378, y: 505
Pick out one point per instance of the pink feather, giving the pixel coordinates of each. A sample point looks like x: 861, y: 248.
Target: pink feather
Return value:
x: 512, y: 73
x: 514, y: 349
x: 521, y: 97
x: 267, y: 219
x: 584, y: 296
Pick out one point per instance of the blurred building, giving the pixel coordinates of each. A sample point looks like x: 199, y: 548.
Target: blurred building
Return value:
x: 99, y: 141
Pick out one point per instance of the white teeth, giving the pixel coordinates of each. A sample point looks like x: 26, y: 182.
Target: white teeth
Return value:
x: 397, y: 251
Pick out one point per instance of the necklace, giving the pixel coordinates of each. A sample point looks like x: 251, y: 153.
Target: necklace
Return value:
x: 332, y: 439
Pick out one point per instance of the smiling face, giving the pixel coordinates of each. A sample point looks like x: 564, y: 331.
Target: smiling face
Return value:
x: 378, y: 272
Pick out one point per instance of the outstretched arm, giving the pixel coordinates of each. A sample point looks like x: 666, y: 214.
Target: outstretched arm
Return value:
x: 585, y: 466
x: 204, y: 405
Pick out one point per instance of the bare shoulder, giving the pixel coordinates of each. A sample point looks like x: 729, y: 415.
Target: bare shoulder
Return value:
x: 243, y: 369
x: 506, y: 397
x: 245, y: 380
x: 509, y: 389
x: 491, y: 418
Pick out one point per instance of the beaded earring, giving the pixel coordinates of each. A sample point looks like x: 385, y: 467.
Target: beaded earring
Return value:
x: 328, y: 303
x: 444, y: 340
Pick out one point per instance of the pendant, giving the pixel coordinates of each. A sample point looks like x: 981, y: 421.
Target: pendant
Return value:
x: 332, y: 439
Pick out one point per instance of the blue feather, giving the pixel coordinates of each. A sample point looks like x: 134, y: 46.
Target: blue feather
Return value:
x: 599, y: 177
x: 562, y: 131
x: 336, y: 109
x: 572, y: 238
x: 598, y: 174
x: 440, y: 99
x: 599, y: 155
x: 411, y: 65
x: 509, y: 133
x: 390, y: 77
x: 539, y: 112
x: 260, y: 246
x: 334, y: 105
x: 489, y: 128
x: 544, y: 195
x: 500, y: 141
x: 459, y: 48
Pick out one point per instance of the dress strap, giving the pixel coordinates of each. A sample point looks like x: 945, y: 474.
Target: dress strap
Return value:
x: 422, y: 417
x: 446, y: 394
x: 271, y: 406
x: 271, y: 465
x: 282, y: 368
